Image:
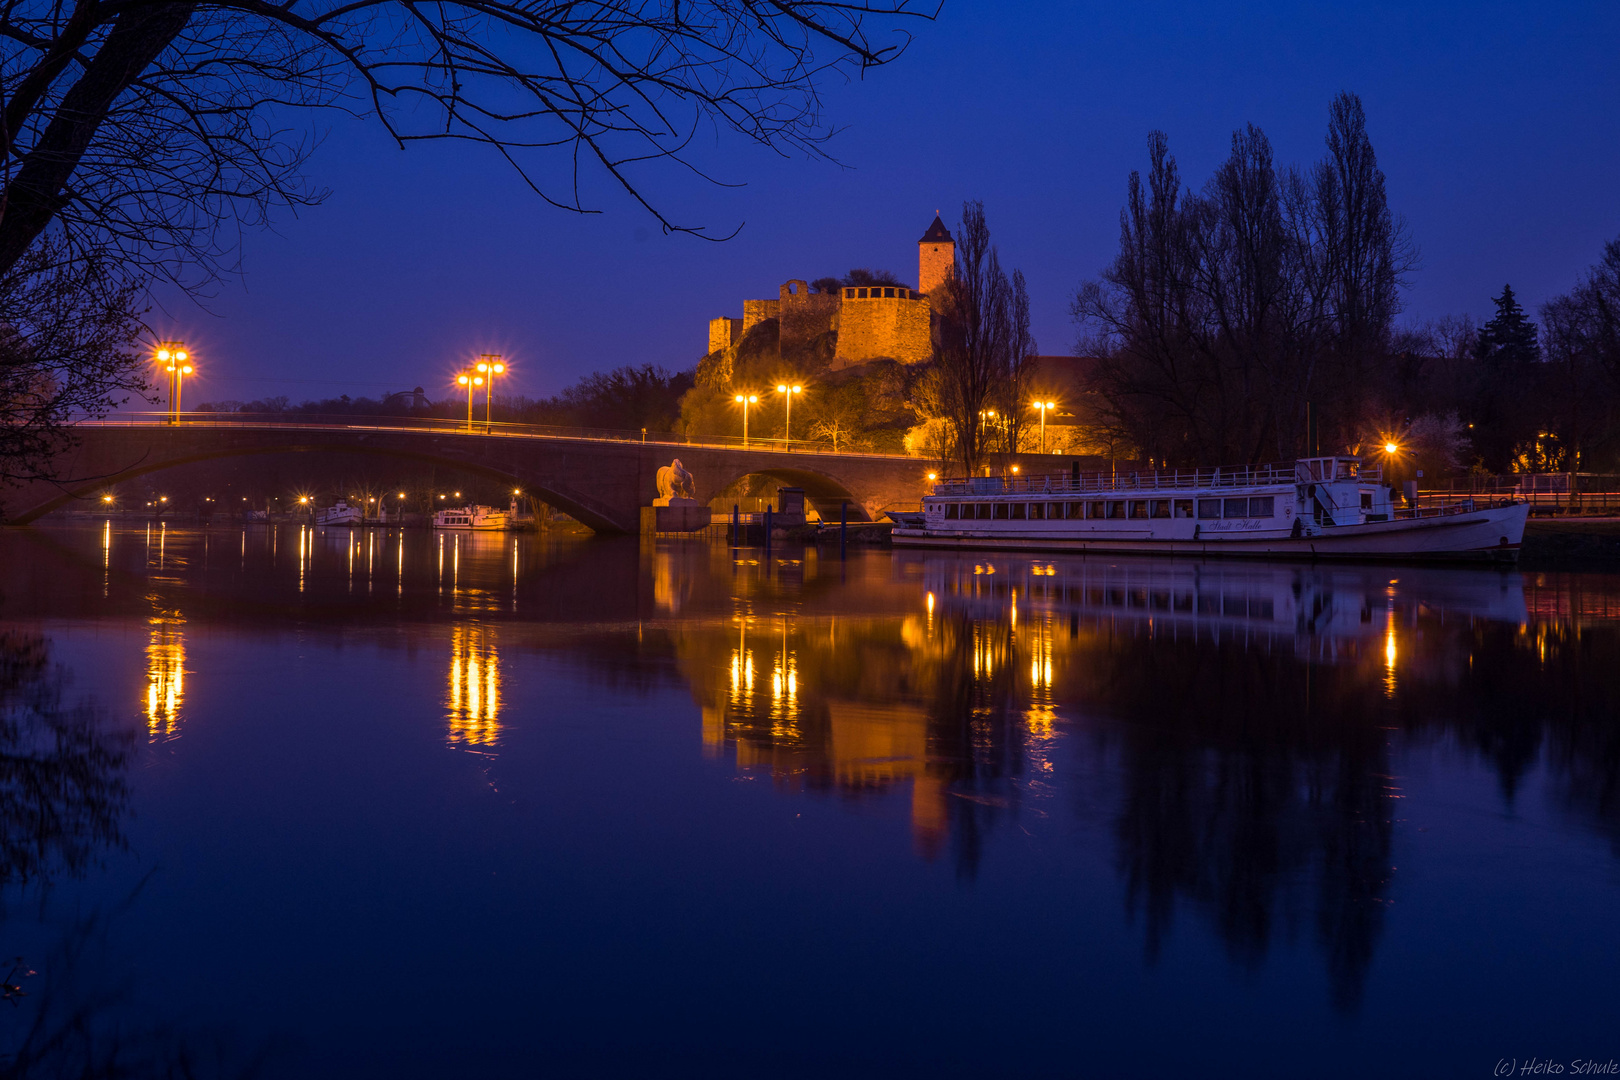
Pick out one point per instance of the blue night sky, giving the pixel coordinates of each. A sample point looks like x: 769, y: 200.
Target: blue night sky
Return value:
x: 1494, y: 123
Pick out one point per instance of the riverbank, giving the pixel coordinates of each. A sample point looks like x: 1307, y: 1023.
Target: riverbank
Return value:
x: 1565, y: 542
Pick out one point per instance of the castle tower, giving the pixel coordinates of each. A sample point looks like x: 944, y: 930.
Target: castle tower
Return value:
x: 936, y: 257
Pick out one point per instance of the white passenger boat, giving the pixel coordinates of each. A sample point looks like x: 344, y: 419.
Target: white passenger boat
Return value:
x: 1324, y: 507
x: 476, y: 518
x: 340, y: 513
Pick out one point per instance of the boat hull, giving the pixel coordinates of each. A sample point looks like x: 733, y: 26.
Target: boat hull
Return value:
x: 1487, y: 535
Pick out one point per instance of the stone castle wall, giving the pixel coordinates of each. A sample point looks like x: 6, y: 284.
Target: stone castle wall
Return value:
x: 890, y: 322
x: 804, y: 315
x: 935, y: 263
x: 756, y: 312
x: 724, y: 333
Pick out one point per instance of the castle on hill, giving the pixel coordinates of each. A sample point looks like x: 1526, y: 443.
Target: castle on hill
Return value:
x: 840, y: 326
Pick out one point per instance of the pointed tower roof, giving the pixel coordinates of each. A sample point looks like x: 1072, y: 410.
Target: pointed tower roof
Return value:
x: 937, y: 233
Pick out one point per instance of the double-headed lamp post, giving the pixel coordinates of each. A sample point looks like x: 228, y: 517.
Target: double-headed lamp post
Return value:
x: 489, y: 366
x: 746, y: 400
x: 787, y: 423
x: 1043, y: 407
x: 470, y: 380
x: 172, y: 357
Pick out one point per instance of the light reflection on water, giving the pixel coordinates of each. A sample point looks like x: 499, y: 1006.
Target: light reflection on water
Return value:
x: 474, y: 701
x: 1250, y: 755
x: 165, y: 676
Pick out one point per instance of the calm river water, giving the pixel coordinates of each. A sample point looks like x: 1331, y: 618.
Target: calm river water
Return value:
x: 333, y: 804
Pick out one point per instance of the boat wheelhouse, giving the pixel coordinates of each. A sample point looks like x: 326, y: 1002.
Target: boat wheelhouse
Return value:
x: 1321, y: 507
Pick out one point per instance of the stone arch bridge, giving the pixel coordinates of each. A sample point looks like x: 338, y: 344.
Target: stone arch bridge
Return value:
x: 601, y: 482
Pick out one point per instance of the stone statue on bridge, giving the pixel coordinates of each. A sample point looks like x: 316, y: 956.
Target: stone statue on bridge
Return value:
x: 674, y: 482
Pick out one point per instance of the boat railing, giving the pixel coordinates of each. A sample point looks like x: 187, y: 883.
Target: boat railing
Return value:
x: 1232, y: 476
x: 1446, y: 508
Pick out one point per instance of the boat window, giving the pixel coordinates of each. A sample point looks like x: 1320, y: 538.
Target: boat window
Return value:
x: 1209, y: 508
x: 1139, y: 508
x: 1115, y: 509
x: 1366, y: 500
x: 1236, y: 508
x: 1074, y: 509
x: 1161, y: 508
x: 1094, y: 509
x: 1037, y: 510
x: 1018, y: 511
x: 1263, y: 506
x: 1054, y: 511
x: 951, y: 510
x: 1000, y: 510
x: 1183, y: 508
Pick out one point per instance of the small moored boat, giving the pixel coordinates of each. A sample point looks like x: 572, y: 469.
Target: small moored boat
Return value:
x: 340, y: 513
x: 1325, y: 507
x: 476, y: 518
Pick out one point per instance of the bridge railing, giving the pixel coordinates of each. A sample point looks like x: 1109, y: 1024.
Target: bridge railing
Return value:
x: 442, y: 426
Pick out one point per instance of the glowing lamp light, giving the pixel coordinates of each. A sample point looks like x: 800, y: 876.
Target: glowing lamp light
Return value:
x: 1390, y: 448
x: 933, y: 476
x: 1015, y: 468
x: 106, y: 498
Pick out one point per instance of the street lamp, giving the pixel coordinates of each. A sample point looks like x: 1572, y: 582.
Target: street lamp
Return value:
x: 1391, y: 448
x: 787, y: 422
x: 171, y: 357
x: 489, y: 366
x: 1043, y: 407
x: 470, y: 380
x: 746, y: 400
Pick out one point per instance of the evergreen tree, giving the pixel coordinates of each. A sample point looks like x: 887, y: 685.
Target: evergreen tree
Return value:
x: 1509, y: 339
x: 1502, y: 408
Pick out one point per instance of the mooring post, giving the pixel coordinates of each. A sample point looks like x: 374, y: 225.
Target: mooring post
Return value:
x: 767, y: 532
x: 843, y: 530
x: 734, y: 524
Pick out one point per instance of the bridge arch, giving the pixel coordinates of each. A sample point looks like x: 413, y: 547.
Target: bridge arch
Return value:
x: 552, y: 493
x: 825, y: 492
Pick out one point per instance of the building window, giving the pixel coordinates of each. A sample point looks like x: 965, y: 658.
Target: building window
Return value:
x: 888, y: 292
x: 849, y: 294
x: 1209, y: 508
